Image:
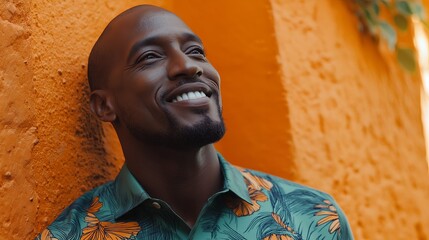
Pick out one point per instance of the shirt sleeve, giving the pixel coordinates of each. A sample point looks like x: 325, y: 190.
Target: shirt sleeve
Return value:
x: 344, y: 231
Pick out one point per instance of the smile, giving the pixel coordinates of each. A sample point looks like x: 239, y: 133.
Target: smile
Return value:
x: 189, y: 93
x: 189, y: 96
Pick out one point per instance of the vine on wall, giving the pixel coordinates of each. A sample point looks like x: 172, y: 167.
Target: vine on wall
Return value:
x: 398, y: 17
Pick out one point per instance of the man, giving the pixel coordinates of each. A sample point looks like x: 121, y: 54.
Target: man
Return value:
x: 150, y: 78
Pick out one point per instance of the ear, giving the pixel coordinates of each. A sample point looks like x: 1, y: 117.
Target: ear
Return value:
x: 102, y: 105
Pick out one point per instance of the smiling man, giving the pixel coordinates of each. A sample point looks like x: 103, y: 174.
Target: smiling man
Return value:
x: 150, y: 78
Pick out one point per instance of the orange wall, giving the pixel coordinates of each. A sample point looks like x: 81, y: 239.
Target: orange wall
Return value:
x: 306, y: 97
x: 355, y: 120
x: 242, y: 46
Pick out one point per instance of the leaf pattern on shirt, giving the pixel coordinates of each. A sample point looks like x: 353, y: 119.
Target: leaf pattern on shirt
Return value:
x: 328, y: 210
x: 279, y: 221
x: 253, y: 181
x: 255, y: 185
x: 99, y: 230
x: 277, y: 237
x: 46, y: 235
x: 274, y: 225
x: 243, y: 208
x: 275, y: 209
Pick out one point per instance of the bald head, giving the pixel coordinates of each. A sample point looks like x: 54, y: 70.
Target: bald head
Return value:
x: 109, y: 47
x: 139, y: 70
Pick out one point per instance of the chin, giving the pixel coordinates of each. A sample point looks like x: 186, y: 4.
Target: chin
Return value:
x: 209, y: 129
x: 179, y: 136
x: 198, y: 135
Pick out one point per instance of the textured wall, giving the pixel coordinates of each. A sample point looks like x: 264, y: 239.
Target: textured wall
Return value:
x: 306, y: 97
x: 71, y: 157
x: 17, y: 126
x: 355, y: 120
x: 51, y: 149
x: 242, y: 46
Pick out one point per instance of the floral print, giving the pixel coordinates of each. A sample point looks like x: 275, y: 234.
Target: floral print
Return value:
x: 252, y: 205
x: 328, y: 210
x: 97, y: 230
x: 278, y: 220
x: 46, y: 235
x: 277, y: 237
x: 254, y: 186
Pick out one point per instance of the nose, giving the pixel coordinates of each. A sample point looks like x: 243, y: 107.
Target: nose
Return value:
x: 181, y: 65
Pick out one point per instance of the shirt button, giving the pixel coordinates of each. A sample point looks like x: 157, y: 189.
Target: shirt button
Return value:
x: 156, y: 205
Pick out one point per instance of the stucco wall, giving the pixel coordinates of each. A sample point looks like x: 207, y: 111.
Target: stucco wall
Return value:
x: 17, y: 128
x: 355, y: 120
x: 306, y: 97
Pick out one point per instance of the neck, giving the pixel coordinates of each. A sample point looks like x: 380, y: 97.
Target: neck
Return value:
x: 185, y: 179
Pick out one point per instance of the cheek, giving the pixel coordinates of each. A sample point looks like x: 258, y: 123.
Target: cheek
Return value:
x: 143, y: 84
x: 139, y: 111
x: 136, y: 99
x: 145, y: 80
x: 212, y: 74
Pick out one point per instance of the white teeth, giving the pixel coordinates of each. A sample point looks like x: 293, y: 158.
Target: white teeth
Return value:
x: 189, y: 96
x: 192, y: 95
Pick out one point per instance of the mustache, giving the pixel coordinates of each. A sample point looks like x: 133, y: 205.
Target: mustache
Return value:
x: 183, y: 81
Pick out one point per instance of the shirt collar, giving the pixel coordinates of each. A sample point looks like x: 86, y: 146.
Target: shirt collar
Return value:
x: 129, y: 193
x: 234, y: 180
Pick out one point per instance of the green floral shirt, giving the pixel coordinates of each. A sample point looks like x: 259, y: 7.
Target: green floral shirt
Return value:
x: 252, y: 205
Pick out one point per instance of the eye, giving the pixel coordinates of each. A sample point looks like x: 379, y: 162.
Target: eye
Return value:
x: 196, y: 51
x: 148, y: 57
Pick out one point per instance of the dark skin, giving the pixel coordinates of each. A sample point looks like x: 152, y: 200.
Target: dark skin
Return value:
x: 155, y: 57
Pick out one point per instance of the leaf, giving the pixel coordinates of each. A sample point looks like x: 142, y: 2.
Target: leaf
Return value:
x: 376, y: 8
x: 371, y: 22
x: 403, y: 7
x: 388, y: 33
x: 401, y: 22
x: 386, y: 2
x: 418, y: 10
x: 406, y: 59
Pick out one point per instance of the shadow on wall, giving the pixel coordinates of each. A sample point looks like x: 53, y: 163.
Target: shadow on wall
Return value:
x: 89, y: 128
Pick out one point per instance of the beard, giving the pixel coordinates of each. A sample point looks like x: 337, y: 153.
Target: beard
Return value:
x: 178, y: 136
x: 203, y: 133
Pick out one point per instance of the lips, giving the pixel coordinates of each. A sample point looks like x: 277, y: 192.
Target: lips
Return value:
x: 189, y: 92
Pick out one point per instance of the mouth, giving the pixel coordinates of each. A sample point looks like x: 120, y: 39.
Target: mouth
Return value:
x: 189, y: 92
x: 189, y: 96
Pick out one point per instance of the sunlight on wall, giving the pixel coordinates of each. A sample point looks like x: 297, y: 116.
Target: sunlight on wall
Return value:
x: 421, y: 43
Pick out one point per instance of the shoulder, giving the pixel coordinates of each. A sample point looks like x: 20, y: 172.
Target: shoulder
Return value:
x: 284, y: 185
x: 69, y: 224
x: 315, y: 214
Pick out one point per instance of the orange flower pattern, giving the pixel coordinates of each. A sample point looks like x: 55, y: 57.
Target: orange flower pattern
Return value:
x: 97, y: 230
x: 46, y: 235
x: 277, y: 237
x: 330, y: 214
x: 254, y: 186
x: 278, y: 220
x: 252, y: 205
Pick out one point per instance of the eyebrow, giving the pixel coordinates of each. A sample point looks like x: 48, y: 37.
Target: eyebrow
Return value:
x: 154, y: 39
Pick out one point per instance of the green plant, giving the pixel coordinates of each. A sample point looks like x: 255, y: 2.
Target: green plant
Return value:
x: 399, y: 14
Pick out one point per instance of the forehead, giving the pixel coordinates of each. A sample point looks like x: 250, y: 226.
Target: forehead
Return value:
x: 151, y: 22
x: 126, y: 33
x: 140, y: 25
